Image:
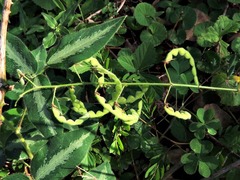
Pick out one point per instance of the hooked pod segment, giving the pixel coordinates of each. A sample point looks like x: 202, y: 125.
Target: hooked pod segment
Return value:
x: 183, y: 52
x: 179, y: 114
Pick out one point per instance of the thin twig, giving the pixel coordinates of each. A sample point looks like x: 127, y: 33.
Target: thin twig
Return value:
x: 3, y: 35
x: 121, y: 5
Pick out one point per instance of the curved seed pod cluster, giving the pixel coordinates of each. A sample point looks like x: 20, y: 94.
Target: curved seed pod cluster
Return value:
x: 111, y: 106
x: 183, y: 52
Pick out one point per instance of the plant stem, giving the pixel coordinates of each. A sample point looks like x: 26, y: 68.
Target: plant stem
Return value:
x: 5, y: 16
x: 128, y: 84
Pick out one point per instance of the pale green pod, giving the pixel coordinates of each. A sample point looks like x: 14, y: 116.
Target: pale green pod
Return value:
x: 196, y: 80
x: 182, y: 51
x: 122, y: 100
x: 179, y: 114
x: 131, y: 99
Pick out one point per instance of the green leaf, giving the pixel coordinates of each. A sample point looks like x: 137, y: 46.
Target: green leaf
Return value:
x: 144, y: 56
x: 64, y: 152
x: 59, y: 4
x: 49, y: 40
x: 102, y: 171
x: 120, y: 144
x: 203, y: 169
x: 39, y: 112
x: 40, y: 55
x: 224, y: 25
x: 51, y: 21
x: 16, y: 176
x: 144, y: 13
x: 235, y: 45
x: 45, y: 4
x: 83, y: 44
x: 189, y: 17
x: 190, y: 162
x: 151, y: 170
x: 156, y: 34
x: 125, y: 58
x: 227, y: 97
x: 19, y: 57
x: 201, y: 146
x: 223, y: 52
x: 208, y: 38
x: 200, y: 115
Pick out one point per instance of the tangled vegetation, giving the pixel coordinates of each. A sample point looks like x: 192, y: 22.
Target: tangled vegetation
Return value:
x: 121, y: 90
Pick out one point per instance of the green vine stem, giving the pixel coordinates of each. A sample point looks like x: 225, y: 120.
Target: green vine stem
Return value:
x: 19, y: 134
x: 129, y: 84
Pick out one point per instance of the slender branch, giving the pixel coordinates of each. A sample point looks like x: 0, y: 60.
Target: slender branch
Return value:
x: 127, y: 84
x: 3, y: 35
x: 121, y: 5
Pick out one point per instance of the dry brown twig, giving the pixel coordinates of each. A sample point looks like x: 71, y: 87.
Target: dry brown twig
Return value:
x: 3, y: 35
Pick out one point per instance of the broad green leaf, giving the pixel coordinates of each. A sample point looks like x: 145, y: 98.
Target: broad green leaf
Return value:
x: 102, y: 171
x: 201, y: 28
x: 83, y: 44
x: 125, y: 58
x: 203, y: 169
x: 144, y: 13
x: 227, y: 98
x: 62, y: 155
x: 39, y: 112
x: 144, y: 56
x: 208, y: 38
x: 224, y: 25
x: 156, y: 34
x: 189, y: 17
x: 16, y: 176
x: 19, y: 57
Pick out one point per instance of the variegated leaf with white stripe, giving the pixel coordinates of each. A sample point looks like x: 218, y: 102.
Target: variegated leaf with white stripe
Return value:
x: 63, y: 154
x: 83, y: 44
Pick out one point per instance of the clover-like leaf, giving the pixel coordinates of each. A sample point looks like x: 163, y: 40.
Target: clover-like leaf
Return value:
x: 155, y: 33
x: 201, y: 147
x: 190, y: 162
x: 144, y: 14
